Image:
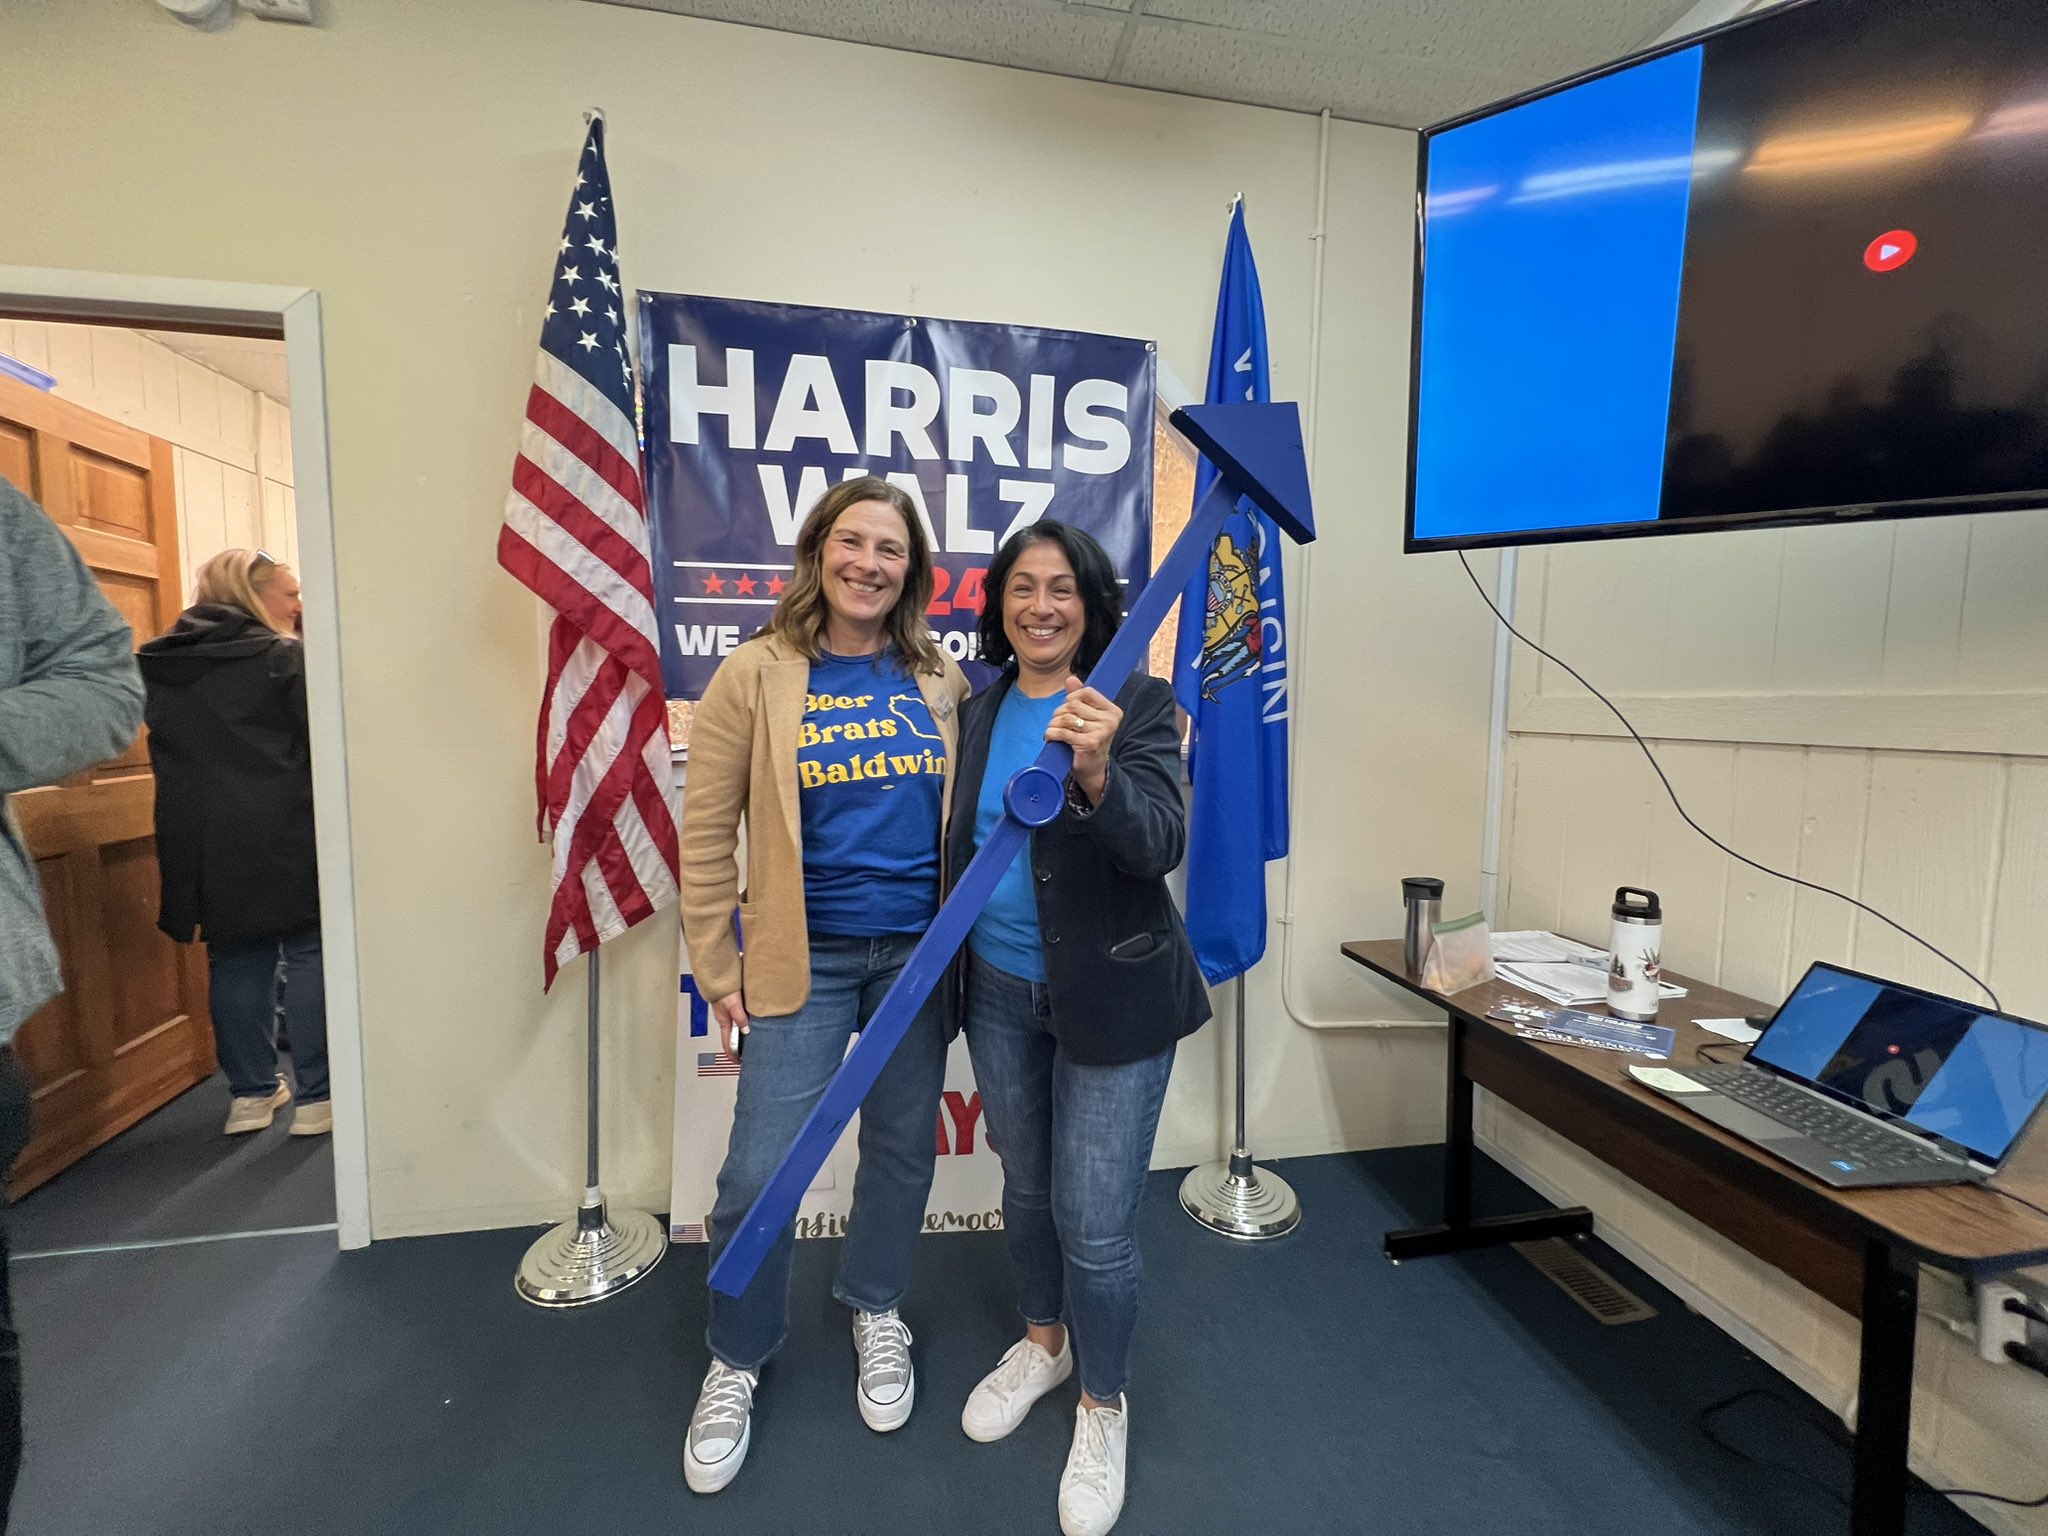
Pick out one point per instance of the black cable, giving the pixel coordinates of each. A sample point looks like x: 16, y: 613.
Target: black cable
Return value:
x: 2033, y: 1359
x: 1686, y: 817
x: 1722, y: 1045
x: 1840, y: 1437
x: 1996, y: 1498
x: 1705, y: 1421
x: 2033, y: 1314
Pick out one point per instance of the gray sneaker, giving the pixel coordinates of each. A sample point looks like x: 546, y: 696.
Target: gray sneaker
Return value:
x: 888, y: 1384
x: 716, y: 1447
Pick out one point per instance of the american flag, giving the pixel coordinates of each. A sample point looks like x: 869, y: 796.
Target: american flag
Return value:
x: 576, y: 533
x: 717, y: 1064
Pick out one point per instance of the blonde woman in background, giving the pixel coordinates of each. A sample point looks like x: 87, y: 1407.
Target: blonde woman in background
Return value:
x: 226, y: 714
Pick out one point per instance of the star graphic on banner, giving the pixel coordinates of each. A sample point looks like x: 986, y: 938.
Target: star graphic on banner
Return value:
x: 550, y: 312
x: 571, y: 275
x: 587, y: 342
x: 775, y: 586
x: 611, y: 314
x: 580, y: 306
x: 565, y: 243
x: 714, y: 583
x: 607, y: 282
x: 744, y: 586
x: 596, y: 245
x: 579, y: 178
x: 586, y: 210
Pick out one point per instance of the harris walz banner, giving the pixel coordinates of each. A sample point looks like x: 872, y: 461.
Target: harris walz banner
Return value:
x: 753, y: 409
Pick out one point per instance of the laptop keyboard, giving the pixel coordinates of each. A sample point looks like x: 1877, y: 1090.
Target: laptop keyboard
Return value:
x: 1844, y: 1130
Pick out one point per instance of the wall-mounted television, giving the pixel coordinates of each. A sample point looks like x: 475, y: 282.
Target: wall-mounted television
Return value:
x: 1794, y: 270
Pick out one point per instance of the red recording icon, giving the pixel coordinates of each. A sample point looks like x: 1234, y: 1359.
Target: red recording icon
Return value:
x: 1891, y: 250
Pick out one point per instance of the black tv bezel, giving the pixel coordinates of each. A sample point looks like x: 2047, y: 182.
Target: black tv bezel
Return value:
x: 1792, y: 517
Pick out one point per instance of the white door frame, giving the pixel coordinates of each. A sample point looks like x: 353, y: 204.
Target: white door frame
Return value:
x: 102, y: 297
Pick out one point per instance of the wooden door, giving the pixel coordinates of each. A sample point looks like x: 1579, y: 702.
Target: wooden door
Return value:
x: 131, y: 1029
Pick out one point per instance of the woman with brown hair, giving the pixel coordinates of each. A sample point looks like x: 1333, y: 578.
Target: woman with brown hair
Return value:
x: 829, y: 735
x: 226, y: 714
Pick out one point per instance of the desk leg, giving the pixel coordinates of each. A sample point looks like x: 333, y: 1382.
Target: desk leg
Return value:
x: 1884, y: 1392
x: 1457, y: 1132
x: 1458, y: 1231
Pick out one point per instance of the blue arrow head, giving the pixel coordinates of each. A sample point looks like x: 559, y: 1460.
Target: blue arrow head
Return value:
x: 1257, y: 448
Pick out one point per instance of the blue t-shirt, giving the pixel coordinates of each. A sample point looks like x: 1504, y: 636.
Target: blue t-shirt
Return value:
x: 1006, y: 934
x: 870, y: 776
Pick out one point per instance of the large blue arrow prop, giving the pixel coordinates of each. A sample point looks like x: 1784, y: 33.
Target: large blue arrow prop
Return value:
x: 1257, y: 453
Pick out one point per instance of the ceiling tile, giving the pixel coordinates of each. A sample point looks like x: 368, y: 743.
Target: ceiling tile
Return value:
x: 1532, y: 42
x: 1058, y: 39
x: 253, y: 362
x: 1199, y: 62
x: 1404, y: 62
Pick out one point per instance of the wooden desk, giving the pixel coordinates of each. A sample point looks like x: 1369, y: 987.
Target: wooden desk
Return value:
x: 1861, y: 1249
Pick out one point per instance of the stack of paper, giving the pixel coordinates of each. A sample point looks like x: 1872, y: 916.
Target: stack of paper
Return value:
x: 1561, y: 969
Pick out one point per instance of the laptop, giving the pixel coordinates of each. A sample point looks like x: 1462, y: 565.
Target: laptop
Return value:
x: 1864, y: 1082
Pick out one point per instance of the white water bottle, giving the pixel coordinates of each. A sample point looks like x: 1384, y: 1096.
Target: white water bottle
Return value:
x: 1635, y: 954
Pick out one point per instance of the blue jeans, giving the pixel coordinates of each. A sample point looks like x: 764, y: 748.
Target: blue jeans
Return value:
x: 1075, y: 1143
x: 784, y: 1067
x: 244, y: 990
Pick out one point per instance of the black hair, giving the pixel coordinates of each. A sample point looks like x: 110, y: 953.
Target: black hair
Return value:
x: 1094, y: 578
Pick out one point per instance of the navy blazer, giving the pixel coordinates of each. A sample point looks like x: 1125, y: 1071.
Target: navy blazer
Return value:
x: 1122, y: 974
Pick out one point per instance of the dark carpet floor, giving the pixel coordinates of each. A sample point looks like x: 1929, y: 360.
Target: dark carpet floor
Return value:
x: 175, y: 1175
x: 273, y: 1385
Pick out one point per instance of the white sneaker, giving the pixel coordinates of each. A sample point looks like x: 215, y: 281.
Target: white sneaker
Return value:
x: 1025, y: 1374
x: 1092, y: 1487
x: 888, y: 1384
x: 716, y: 1447
x: 256, y: 1111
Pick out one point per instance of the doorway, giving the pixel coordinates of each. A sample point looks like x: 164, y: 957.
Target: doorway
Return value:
x: 153, y: 451
x: 135, y: 1054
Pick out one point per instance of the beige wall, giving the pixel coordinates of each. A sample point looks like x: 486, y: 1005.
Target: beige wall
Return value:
x: 232, y: 445
x: 1864, y: 707
x: 410, y: 161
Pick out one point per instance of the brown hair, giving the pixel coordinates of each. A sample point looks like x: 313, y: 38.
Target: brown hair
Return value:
x: 236, y: 578
x: 799, y: 619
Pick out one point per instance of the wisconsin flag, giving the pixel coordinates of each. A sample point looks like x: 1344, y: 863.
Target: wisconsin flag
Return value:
x: 1230, y: 668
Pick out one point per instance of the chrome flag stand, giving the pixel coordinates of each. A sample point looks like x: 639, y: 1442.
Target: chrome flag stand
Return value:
x: 1235, y: 1197
x: 591, y: 1255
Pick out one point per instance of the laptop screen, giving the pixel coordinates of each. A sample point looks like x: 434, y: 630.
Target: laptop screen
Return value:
x: 1928, y: 1062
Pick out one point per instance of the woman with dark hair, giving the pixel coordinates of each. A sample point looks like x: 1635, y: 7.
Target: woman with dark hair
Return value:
x: 829, y: 735
x: 228, y: 740
x: 1079, y: 981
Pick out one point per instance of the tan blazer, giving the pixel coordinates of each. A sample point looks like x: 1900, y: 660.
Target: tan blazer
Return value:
x: 743, y: 768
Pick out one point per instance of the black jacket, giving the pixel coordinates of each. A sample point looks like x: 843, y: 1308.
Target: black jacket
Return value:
x: 1122, y: 974
x: 234, y: 782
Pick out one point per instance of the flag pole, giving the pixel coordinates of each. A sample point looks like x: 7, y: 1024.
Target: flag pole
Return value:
x: 591, y: 1255
x: 1236, y: 1197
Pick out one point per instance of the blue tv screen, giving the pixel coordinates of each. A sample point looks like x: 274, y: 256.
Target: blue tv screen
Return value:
x: 1795, y: 270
